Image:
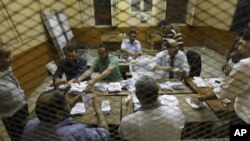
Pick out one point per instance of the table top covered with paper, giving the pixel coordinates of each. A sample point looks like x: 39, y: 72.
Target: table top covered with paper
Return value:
x: 111, y: 107
x: 204, y: 86
x: 204, y: 114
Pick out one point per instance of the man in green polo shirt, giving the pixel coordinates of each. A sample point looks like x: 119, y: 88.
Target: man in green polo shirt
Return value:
x: 106, y: 64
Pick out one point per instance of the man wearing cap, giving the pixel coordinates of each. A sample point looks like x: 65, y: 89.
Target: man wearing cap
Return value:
x: 171, y: 60
x: 169, y: 31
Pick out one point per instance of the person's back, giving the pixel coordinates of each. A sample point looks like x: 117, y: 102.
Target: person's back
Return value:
x: 155, y: 124
x: 67, y: 130
x: 53, y: 122
x: 153, y: 121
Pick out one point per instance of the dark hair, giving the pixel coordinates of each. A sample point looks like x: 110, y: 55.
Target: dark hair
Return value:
x: 163, y: 22
x: 72, y: 48
x: 246, y: 34
x: 103, y: 46
x: 131, y: 32
x: 147, y: 89
x: 46, y: 110
x: 165, y: 44
x: 4, y: 52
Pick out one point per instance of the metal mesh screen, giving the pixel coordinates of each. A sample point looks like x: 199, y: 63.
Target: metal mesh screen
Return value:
x: 38, y: 32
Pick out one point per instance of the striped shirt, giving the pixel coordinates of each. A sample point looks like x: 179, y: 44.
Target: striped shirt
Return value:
x: 174, y: 33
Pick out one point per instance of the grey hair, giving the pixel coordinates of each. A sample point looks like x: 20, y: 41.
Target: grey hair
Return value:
x: 147, y: 89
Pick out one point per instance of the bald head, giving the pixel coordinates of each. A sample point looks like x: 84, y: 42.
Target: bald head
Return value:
x: 172, y: 42
x: 172, y: 47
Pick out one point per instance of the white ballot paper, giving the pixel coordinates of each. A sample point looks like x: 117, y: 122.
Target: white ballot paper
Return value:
x: 78, y: 87
x: 101, y: 86
x: 79, y: 108
x: 199, y: 82
x: 114, y: 87
x: 172, y: 85
x: 106, y: 106
x: 169, y: 100
x: 195, y: 105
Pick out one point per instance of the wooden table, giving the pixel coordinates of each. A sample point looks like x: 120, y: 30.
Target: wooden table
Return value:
x: 113, y: 41
x: 191, y: 115
x: 152, y: 38
x: 216, y: 105
x: 187, y: 90
x: 113, y: 117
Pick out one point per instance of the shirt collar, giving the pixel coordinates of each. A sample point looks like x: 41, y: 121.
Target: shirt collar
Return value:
x: 2, y: 73
x: 150, y: 106
x: 77, y: 60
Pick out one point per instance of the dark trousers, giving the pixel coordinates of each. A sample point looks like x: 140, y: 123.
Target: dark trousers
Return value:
x: 15, y: 124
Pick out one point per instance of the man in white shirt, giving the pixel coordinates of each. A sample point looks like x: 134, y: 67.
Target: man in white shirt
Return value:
x: 237, y: 83
x: 13, y: 106
x: 171, y: 60
x: 153, y: 121
x: 131, y: 47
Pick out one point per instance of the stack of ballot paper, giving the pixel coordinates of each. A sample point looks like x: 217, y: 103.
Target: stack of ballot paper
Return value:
x: 169, y: 100
x: 136, y: 102
x: 106, y: 106
x: 199, y: 82
x: 101, y: 86
x: 78, y: 87
x: 213, y: 82
x: 195, y: 105
x: 114, y: 87
x: 79, y: 108
x: 172, y: 85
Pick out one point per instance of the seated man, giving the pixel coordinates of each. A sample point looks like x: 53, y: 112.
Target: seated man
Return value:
x: 172, y: 60
x: 169, y: 31
x: 106, y: 64
x: 73, y: 66
x: 153, y: 121
x: 53, y: 122
x: 131, y: 47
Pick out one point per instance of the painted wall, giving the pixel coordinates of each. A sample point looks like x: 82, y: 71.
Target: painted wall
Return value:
x: 215, y: 13
x: 21, y: 27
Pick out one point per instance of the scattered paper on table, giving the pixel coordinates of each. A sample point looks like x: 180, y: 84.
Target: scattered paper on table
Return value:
x: 106, y: 106
x: 194, y: 105
x: 101, y: 86
x: 114, y: 87
x: 79, y: 108
x: 169, y: 100
x: 78, y: 87
x: 199, y: 82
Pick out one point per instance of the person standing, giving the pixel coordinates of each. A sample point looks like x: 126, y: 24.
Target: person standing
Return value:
x: 170, y: 31
x: 237, y: 83
x: 13, y: 106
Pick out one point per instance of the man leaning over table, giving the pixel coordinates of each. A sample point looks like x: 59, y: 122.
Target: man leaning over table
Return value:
x: 73, y: 66
x: 106, y: 64
x: 13, y: 106
x: 153, y: 121
x: 53, y: 122
x: 237, y: 83
x: 162, y: 61
x: 131, y: 47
